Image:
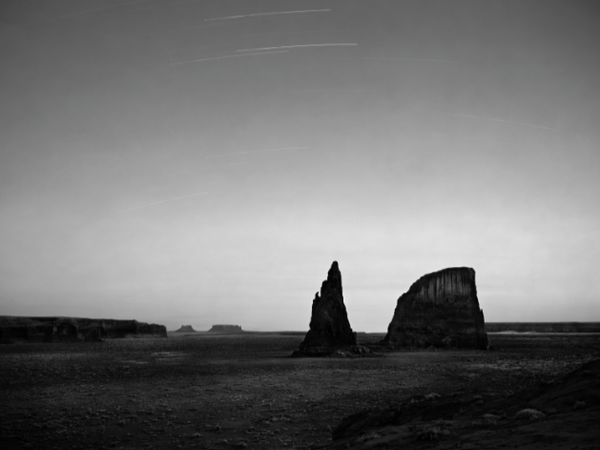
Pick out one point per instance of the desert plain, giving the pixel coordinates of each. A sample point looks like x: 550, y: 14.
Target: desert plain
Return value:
x: 221, y: 391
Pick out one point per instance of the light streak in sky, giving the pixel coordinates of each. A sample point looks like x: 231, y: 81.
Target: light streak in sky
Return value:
x: 469, y: 116
x: 334, y: 44
x: 229, y: 41
x: 275, y: 13
x: 214, y: 58
x: 162, y: 201
x: 282, y: 149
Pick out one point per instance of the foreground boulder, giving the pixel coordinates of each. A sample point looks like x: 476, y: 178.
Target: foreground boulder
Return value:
x: 59, y: 329
x: 330, y: 329
x: 440, y: 309
x: 226, y: 329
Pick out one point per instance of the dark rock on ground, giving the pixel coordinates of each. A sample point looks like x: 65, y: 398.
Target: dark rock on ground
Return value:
x: 185, y: 329
x: 59, y: 329
x: 226, y: 329
x: 353, y: 351
x: 560, y: 413
x: 330, y: 329
x: 441, y: 309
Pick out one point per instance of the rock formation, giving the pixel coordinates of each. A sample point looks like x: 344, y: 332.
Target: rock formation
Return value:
x: 185, y: 329
x: 329, y: 326
x: 440, y: 309
x: 58, y: 329
x: 226, y: 329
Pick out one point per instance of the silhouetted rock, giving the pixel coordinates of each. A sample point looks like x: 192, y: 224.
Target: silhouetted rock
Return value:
x: 440, y: 309
x: 57, y: 329
x: 185, y: 329
x: 330, y: 329
x: 226, y: 329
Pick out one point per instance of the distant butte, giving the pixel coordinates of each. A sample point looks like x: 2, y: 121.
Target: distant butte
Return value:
x: 185, y: 329
x: 226, y: 329
x: 440, y: 309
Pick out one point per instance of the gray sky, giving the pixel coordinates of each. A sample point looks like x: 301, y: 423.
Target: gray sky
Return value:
x: 200, y: 162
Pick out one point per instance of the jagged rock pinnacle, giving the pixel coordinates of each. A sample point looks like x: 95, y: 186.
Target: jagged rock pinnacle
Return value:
x: 329, y: 326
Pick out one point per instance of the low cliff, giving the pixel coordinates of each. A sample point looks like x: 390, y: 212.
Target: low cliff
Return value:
x: 543, y: 327
x: 441, y: 309
x: 59, y: 329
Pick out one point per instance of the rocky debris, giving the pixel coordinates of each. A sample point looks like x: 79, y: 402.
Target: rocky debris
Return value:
x: 563, y: 408
x: 579, y: 389
x: 330, y: 329
x: 440, y: 309
x: 58, y: 329
x: 185, y: 329
x: 353, y: 351
x: 226, y: 329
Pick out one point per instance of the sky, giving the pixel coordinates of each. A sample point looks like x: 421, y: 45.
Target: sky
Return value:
x: 204, y: 161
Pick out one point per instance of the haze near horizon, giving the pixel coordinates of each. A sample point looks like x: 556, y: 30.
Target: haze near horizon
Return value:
x: 203, y: 162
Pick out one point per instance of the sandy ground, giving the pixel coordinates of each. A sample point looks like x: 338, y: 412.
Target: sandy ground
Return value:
x: 244, y: 391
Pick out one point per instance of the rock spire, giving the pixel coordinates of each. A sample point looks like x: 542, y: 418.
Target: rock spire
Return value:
x: 329, y: 326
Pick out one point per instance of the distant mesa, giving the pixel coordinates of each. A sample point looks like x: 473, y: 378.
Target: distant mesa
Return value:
x: 185, y: 329
x: 542, y: 327
x: 231, y: 329
x: 330, y: 330
x: 440, y: 309
x: 64, y: 329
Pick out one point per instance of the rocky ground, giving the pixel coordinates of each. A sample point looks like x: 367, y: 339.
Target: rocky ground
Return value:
x: 244, y: 391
